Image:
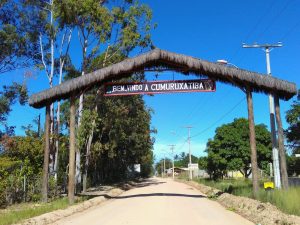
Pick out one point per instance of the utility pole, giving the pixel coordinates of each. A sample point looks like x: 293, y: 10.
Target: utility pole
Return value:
x: 172, y: 150
x: 164, y: 165
x: 190, y: 155
x: 267, y: 48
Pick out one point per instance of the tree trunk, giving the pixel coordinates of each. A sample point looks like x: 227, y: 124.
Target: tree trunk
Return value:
x: 57, y: 141
x: 87, y: 157
x: 61, y: 66
x: 71, y: 185
x: 282, y: 153
x: 254, y: 166
x: 80, y: 109
x: 46, y: 155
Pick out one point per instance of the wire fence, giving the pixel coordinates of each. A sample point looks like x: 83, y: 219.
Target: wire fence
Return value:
x: 17, y: 189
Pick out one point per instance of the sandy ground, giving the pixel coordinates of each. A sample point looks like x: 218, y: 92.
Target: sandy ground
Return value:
x: 157, y: 201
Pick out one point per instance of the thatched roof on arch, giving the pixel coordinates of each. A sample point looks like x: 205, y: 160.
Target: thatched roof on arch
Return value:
x: 177, y: 62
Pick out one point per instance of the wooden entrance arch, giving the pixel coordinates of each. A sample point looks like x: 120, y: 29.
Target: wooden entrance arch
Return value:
x: 158, y: 59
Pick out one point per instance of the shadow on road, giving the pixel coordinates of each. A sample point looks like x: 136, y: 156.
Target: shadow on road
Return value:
x: 146, y: 184
x: 154, y: 195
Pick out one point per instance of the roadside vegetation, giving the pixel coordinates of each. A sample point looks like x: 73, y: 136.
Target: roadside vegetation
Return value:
x: 286, y: 200
x: 18, y: 212
x: 112, y: 134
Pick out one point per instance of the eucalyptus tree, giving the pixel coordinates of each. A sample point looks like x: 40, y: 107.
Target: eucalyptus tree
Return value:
x: 106, y: 29
x: 19, y: 34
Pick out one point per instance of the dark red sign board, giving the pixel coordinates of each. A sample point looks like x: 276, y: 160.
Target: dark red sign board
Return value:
x: 160, y: 87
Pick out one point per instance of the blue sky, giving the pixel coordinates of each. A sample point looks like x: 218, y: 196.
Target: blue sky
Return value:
x: 209, y: 30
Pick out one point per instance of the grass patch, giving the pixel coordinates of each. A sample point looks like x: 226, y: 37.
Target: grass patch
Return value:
x: 19, y: 212
x: 287, y: 201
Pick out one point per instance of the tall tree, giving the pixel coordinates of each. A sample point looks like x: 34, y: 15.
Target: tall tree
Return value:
x: 293, y: 131
x: 230, y: 150
x: 107, y: 32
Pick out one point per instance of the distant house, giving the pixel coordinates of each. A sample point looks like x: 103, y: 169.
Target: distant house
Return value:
x: 235, y: 174
x: 177, y: 171
x: 196, y: 172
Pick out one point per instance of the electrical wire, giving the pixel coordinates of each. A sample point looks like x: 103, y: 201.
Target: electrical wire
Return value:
x: 220, y: 119
x: 274, y: 19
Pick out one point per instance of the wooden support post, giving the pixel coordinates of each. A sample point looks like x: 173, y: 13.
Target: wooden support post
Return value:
x: 46, y: 155
x: 254, y: 167
x: 71, y: 185
x: 282, y: 153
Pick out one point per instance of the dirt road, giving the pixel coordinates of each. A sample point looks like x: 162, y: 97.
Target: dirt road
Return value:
x: 158, y: 201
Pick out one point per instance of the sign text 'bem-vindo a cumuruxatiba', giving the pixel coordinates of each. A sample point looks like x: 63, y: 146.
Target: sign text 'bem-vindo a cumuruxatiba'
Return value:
x: 159, y: 87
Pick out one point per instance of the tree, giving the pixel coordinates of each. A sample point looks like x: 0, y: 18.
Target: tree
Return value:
x: 182, y: 160
x: 116, y: 27
x: 293, y: 131
x: 202, y: 162
x: 160, y: 164
x: 121, y: 138
x: 230, y: 150
x: 293, y: 137
x: 19, y: 34
x: 8, y: 96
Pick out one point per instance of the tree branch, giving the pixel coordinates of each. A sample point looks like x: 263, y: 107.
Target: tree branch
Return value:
x: 43, y: 59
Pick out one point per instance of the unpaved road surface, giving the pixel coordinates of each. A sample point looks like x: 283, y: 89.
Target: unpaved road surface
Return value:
x: 157, y: 201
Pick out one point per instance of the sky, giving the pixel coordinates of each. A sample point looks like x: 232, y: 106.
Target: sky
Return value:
x: 209, y: 30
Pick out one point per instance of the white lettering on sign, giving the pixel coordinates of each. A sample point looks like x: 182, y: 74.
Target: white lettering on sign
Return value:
x: 160, y: 87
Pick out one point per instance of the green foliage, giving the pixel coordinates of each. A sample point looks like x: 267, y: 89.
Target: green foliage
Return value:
x: 293, y: 131
x: 293, y: 165
x: 19, y: 34
x: 202, y: 162
x: 230, y: 148
x: 122, y: 137
x: 120, y: 27
x: 159, y: 165
x: 8, y: 96
x: 86, y: 127
x: 20, y: 168
x: 285, y: 200
x: 182, y: 160
x: 26, y: 211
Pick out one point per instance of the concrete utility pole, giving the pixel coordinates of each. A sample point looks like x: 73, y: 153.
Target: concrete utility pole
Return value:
x: 172, y: 150
x: 267, y: 48
x: 190, y: 155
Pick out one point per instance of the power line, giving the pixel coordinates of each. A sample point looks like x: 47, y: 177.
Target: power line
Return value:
x: 268, y: 10
x: 221, y: 118
x: 275, y: 18
x: 290, y: 31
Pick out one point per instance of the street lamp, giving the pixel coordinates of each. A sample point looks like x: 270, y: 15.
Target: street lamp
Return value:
x: 225, y: 62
